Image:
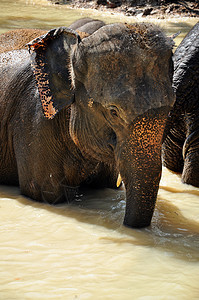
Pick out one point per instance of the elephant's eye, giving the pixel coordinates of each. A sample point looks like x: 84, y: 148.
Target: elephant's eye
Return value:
x: 114, y: 112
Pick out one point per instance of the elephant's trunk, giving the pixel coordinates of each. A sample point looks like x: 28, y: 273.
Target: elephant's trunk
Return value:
x: 140, y: 166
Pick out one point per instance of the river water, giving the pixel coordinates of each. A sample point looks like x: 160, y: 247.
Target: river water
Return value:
x: 82, y: 251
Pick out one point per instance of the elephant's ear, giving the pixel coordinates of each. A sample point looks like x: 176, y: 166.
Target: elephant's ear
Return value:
x: 50, y: 55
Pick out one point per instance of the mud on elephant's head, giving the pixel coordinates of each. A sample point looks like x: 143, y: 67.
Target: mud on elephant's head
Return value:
x: 118, y: 84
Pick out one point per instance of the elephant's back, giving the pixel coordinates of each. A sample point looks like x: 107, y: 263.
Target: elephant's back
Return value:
x: 186, y: 64
x: 86, y: 26
x: 189, y: 43
x: 80, y: 22
x: 17, y: 39
x: 91, y: 27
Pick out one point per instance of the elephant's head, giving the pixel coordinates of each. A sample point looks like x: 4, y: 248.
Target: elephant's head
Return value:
x: 118, y: 84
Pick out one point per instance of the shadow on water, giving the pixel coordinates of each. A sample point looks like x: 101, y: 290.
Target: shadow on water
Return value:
x: 170, y: 231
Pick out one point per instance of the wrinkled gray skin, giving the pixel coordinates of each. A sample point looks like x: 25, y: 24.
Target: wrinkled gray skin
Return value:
x: 85, y: 110
x: 87, y: 25
x: 181, y: 146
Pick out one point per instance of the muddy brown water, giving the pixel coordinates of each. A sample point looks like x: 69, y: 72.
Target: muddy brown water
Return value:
x: 82, y: 251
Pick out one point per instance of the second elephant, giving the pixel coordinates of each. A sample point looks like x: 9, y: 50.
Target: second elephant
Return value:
x: 181, y: 145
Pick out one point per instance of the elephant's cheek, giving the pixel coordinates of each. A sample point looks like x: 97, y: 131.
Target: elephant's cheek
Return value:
x: 140, y: 168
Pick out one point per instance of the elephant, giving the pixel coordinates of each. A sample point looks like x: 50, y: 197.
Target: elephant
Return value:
x: 78, y: 112
x: 180, y: 151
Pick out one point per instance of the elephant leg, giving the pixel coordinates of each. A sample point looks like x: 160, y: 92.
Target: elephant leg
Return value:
x: 8, y: 165
x: 48, y: 187
x: 41, y: 176
x: 190, y: 172
x: 172, y: 147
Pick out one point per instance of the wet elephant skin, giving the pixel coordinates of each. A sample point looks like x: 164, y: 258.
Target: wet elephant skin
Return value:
x: 73, y: 109
x: 181, y: 146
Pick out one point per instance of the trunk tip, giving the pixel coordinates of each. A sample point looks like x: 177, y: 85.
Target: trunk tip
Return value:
x: 137, y: 224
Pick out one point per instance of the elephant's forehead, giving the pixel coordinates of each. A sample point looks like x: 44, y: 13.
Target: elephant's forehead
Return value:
x: 116, y: 53
x: 125, y: 67
x: 114, y: 62
x: 142, y: 82
x: 124, y: 37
